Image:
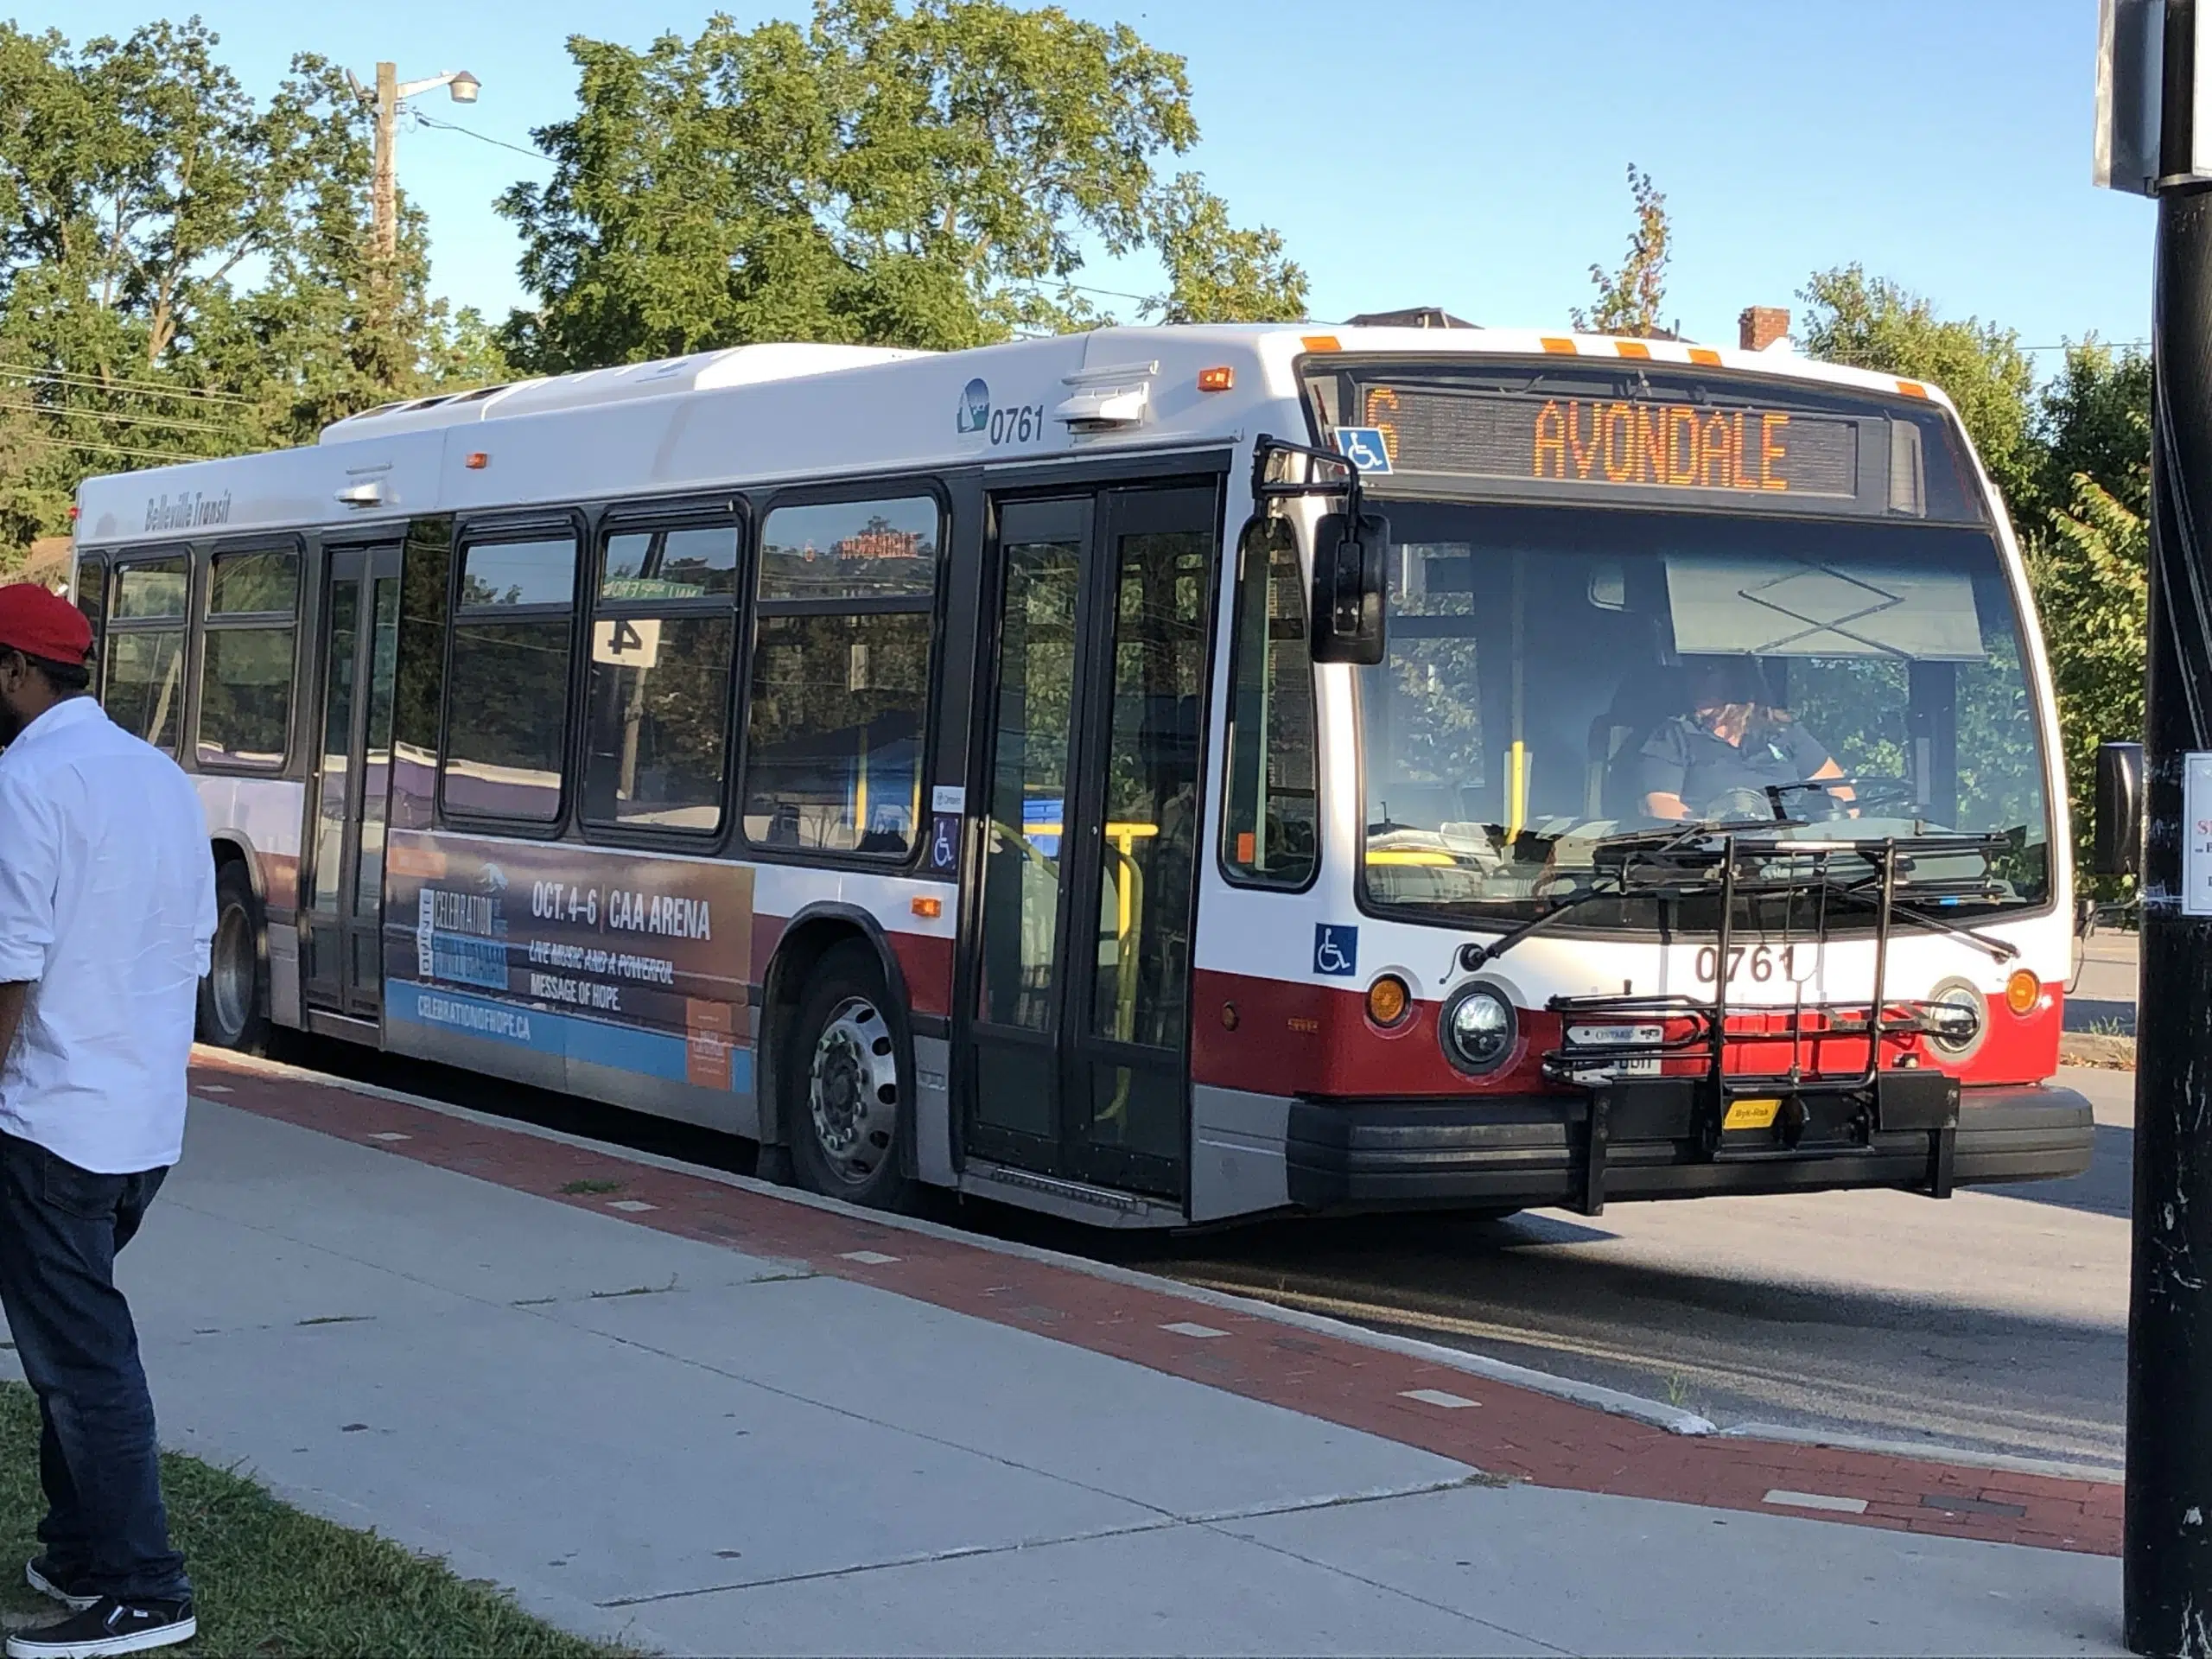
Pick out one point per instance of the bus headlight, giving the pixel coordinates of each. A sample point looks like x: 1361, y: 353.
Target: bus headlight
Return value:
x: 1960, y: 1013
x: 1478, y: 1028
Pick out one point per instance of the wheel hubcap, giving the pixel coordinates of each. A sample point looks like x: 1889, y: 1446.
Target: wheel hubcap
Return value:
x: 853, y: 1090
x: 231, y: 974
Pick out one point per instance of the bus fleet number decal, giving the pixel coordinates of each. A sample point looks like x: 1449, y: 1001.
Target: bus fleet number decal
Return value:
x: 1020, y: 425
x: 1764, y: 960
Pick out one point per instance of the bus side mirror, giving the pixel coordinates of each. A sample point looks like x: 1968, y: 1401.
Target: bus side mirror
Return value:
x: 2117, y: 841
x: 1348, y: 588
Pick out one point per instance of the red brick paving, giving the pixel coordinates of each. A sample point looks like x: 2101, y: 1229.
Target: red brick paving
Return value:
x: 1516, y: 1432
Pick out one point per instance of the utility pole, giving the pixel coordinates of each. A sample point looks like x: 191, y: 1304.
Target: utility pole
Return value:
x: 384, y: 188
x: 384, y: 179
x: 2153, y: 139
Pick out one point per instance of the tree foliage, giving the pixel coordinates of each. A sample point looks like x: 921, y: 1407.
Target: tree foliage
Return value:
x: 184, y: 271
x: 1873, y: 323
x: 2092, y: 580
x: 2073, y: 462
x: 1629, y: 299
x: 925, y: 177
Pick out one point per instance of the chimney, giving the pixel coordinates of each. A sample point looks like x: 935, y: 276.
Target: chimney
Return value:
x: 1761, y: 326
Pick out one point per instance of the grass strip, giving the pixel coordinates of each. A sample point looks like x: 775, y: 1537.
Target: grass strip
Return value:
x: 271, y: 1581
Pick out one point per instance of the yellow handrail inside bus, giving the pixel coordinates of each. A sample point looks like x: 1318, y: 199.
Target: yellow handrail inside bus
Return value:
x: 1516, y: 789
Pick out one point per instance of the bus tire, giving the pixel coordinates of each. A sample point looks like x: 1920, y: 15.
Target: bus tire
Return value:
x: 844, y: 1084
x: 234, y: 997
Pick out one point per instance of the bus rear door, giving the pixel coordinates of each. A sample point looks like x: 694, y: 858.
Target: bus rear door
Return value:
x: 352, y: 784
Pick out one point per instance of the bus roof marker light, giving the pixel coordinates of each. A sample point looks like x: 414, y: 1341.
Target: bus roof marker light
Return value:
x: 1705, y: 356
x: 1560, y: 346
x: 1219, y: 378
x: 1635, y: 348
x: 1321, y: 343
x: 1912, y: 389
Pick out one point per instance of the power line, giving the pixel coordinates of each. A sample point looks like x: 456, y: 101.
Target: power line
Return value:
x: 122, y: 388
x: 120, y: 419
x: 112, y: 449
x: 482, y: 137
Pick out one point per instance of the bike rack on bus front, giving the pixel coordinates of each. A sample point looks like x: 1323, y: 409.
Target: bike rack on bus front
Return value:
x: 1905, y: 1098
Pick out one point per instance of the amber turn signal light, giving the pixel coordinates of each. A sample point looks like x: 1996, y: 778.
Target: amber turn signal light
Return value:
x: 926, y: 905
x: 1388, y: 1001
x: 1219, y: 380
x: 2023, y: 991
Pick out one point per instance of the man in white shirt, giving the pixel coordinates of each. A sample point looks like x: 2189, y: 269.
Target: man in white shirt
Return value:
x: 107, y: 908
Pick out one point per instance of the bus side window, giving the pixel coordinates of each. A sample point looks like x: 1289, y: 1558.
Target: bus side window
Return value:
x: 145, y: 666
x: 507, y: 738
x: 90, y: 591
x: 1270, y: 829
x: 840, y: 675
x: 658, y: 704
x: 246, y: 657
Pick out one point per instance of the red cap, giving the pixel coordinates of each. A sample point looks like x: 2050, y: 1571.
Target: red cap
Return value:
x: 43, y: 624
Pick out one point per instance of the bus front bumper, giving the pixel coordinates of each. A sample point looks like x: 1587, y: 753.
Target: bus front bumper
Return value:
x: 1536, y: 1151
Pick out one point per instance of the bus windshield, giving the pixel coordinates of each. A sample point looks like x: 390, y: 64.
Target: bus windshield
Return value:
x: 1556, y: 677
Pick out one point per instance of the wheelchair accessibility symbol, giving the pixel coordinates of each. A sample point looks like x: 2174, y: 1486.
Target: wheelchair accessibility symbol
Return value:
x: 1364, y: 446
x: 944, y: 840
x: 1336, y: 949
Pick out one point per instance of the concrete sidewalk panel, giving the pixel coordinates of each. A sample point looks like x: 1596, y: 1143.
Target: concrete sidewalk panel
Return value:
x: 1181, y: 1589
x: 595, y: 1467
x: 1593, y: 1574
x: 436, y: 1225
x: 1179, y: 1446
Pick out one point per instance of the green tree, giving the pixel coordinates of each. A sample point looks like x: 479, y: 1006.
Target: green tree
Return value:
x: 183, y: 269
x: 1217, y: 273
x: 2092, y: 582
x: 1873, y: 323
x: 2094, y: 419
x: 925, y: 176
x: 1629, y: 299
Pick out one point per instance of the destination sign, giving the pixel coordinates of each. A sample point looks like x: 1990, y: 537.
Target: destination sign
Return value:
x: 1608, y: 443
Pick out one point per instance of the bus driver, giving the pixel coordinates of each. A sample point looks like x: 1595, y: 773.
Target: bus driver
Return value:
x: 1718, y: 761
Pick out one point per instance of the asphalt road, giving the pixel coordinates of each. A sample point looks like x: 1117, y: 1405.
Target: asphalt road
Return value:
x: 1997, y: 1319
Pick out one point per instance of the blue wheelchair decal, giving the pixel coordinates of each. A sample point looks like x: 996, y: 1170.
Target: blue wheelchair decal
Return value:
x: 944, y: 840
x: 1336, y: 949
x: 1364, y: 447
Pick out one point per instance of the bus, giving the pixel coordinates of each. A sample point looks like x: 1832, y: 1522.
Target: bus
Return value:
x: 1156, y: 776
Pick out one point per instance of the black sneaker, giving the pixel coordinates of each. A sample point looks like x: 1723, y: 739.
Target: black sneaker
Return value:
x: 109, y: 1626
x: 68, y: 1588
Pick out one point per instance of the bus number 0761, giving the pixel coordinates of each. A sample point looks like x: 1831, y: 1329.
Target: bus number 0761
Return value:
x: 1764, y: 961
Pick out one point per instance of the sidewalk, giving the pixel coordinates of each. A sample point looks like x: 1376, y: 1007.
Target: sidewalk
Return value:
x: 714, y: 1420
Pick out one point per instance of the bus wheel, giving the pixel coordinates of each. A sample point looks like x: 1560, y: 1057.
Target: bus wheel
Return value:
x: 234, y: 997
x: 844, y: 1085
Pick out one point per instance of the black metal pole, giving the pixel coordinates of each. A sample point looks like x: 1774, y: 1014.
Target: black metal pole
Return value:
x: 2168, y: 1550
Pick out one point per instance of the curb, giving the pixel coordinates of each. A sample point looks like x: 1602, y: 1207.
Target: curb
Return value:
x: 1923, y: 1452
x: 1614, y: 1403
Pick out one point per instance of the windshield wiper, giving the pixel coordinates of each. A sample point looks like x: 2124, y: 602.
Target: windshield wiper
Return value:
x: 2001, y: 950
x: 1630, y: 843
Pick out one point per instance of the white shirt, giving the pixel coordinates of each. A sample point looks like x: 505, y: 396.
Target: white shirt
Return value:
x: 107, y: 903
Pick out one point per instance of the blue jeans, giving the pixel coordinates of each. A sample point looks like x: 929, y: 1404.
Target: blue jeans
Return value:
x: 60, y: 1227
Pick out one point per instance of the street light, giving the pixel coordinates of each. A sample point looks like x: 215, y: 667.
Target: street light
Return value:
x: 383, y: 196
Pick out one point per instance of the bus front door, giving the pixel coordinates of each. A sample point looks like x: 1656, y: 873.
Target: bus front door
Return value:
x: 1075, y: 1042
x: 345, y: 908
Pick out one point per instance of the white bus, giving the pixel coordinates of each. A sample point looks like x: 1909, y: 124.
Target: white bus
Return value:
x: 1154, y: 776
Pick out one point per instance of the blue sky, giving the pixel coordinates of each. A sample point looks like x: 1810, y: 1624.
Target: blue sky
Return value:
x: 1462, y: 153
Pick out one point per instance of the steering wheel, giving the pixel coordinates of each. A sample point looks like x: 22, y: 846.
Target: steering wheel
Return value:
x: 1739, y: 806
